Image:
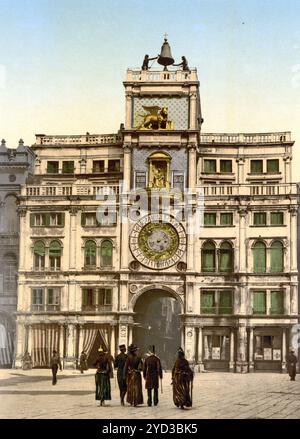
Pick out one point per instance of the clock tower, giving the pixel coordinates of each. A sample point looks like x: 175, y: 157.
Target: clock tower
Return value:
x: 161, y: 134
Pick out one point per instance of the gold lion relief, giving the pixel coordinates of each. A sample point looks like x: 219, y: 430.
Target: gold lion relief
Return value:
x: 155, y: 119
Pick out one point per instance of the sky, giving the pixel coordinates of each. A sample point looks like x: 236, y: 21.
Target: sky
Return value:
x: 62, y: 62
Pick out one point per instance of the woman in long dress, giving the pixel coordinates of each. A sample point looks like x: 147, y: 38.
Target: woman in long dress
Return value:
x: 132, y: 372
x: 104, y: 370
x: 182, y: 381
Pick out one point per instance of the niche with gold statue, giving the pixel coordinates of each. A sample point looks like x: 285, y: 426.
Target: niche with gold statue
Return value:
x: 159, y: 170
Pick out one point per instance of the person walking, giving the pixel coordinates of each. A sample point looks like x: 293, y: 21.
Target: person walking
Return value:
x: 132, y: 372
x: 152, y: 371
x: 83, y: 362
x: 182, y: 381
x: 55, y: 363
x: 102, y: 377
x: 119, y: 364
x: 292, y: 362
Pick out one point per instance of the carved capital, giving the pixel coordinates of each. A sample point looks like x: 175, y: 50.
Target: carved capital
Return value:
x: 22, y: 211
x: 293, y: 210
x: 74, y: 210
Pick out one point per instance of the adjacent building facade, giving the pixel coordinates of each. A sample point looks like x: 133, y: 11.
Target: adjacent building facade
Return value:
x: 160, y: 234
x: 15, y: 169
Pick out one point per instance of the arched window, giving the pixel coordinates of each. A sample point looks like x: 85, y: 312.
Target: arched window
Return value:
x: 90, y: 254
x: 10, y: 269
x: 55, y: 255
x: 39, y: 255
x: 208, y: 257
x: 226, y: 258
x: 259, y: 257
x: 106, y: 254
x: 276, y: 257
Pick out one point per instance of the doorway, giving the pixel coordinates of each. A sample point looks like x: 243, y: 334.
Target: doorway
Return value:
x: 157, y: 323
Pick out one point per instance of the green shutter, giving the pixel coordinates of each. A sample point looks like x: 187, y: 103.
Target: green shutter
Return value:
x: 106, y: 253
x: 259, y: 302
x: 259, y: 257
x: 207, y: 302
x: 90, y: 248
x: 210, y: 219
x: 208, y: 257
x: 277, y: 306
x: 210, y: 166
x: 226, y: 219
x: 55, y: 249
x: 276, y: 259
x: 226, y: 258
x: 260, y: 219
x: 276, y: 218
x: 273, y: 165
x: 83, y: 219
x: 226, y: 166
x: 39, y: 248
x: 256, y: 166
x: 225, y: 304
x: 47, y: 219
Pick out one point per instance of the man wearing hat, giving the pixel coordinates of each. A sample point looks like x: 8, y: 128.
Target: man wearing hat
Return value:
x: 292, y: 362
x: 119, y: 364
x: 152, y: 371
x: 55, y: 363
x: 103, y: 365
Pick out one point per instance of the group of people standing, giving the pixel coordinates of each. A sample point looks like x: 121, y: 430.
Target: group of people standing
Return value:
x: 130, y: 368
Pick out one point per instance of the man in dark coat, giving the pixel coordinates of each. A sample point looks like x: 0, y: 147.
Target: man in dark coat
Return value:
x: 55, y: 363
x: 119, y: 364
x: 152, y: 371
x: 132, y: 372
x: 83, y: 362
x: 103, y: 373
x: 292, y: 362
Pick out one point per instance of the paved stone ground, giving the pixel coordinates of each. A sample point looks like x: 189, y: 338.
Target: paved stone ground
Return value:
x: 30, y: 394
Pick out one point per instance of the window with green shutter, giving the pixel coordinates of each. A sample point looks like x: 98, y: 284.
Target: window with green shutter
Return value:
x: 210, y: 166
x: 39, y: 255
x: 277, y: 302
x: 273, y: 166
x: 276, y: 218
x: 106, y: 253
x: 208, y: 304
x: 256, y: 166
x: 276, y: 257
x: 225, y: 302
x: 259, y: 257
x: 226, y: 219
x: 226, y: 166
x: 259, y: 302
x: 68, y: 167
x: 90, y: 254
x: 210, y: 219
x: 105, y: 296
x: 55, y: 251
x: 226, y: 258
x: 208, y: 256
x: 260, y: 219
x: 52, y: 167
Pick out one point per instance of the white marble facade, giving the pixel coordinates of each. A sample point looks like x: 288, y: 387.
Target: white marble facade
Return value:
x: 82, y: 283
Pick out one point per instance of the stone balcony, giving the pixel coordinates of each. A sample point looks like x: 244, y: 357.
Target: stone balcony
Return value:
x: 87, y: 139
x: 246, y: 138
x: 138, y: 75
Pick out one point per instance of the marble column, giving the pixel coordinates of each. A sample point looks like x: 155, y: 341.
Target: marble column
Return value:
x: 73, y: 236
x: 231, y: 360
x: 293, y: 237
x: 123, y: 334
x: 192, y: 167
x: 200, y: 349
x: 61, y: 346
x: 128, y: 111
x: 193, y: 111
x: 190, y: 343
x: 251, y: 350
x: 241, y: 363
x: 242, y: 240
x: 70, y: 360
x: 22, y: 240
x: 29, y: 339
x: 130, y: 335
x: 283, y: 364
x: 80, y: 339
x: 127, y: 168
x: 113, y: 341
x: 20, y: 344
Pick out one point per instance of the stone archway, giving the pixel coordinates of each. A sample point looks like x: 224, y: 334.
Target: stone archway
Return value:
x: 157, y: 322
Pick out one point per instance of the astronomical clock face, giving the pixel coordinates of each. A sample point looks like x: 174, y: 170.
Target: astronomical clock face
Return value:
x: 158, y: 241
